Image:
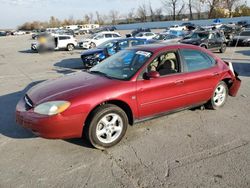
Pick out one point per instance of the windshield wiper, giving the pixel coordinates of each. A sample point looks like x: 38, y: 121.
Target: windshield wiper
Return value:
x: 100, y: 73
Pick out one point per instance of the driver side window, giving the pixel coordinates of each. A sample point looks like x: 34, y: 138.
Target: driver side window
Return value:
x: 166, y: 63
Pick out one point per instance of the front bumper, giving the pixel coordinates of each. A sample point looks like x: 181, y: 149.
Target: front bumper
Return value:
x: 85, y: 45
x: 54, y: 127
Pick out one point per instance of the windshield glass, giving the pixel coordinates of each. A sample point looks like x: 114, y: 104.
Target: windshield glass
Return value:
x: 122, y: 65
x: 93, y: 36
x: 108, y: 44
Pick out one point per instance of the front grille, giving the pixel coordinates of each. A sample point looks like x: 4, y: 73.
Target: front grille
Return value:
x: 89, y: 60
x: 28, y: 102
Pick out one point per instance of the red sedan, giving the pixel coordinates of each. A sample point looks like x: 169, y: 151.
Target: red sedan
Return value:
x: 133, y: 85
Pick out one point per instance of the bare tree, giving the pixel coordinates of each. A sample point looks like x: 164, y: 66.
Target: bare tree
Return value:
x: 142, y: 13
x: 86, y: 19
x: 212, y: 5
x: 151, y: 12
x: 158, y: 14
x: 230, y: 4
x: 91, y: 18
x: 173, y: 5
x: 197, y: 5
x: 130, y: 16
x: 99, y: 18
x: 190, y: 6
x: 114, y: 15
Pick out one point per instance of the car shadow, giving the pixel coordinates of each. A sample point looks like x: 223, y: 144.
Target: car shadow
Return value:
x: 29, y: 51
x: 67, y: 66
x: 80, y: 142
x: 8, y: 126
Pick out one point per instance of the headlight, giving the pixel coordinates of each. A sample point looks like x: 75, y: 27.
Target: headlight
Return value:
x: 52, y: 108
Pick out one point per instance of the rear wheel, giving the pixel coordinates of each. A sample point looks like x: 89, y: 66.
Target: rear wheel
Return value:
x: 107, y: 127
x: 223, y: 48
x: 204, y: 46
x: 219, y: 96
x: 70, y: 47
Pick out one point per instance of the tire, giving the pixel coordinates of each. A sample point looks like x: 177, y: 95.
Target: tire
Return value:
x: 219, y: 97
x: 92, y: 45
x: 223, y: 48
x: 70, y: 47
x: 204, y: 46
x: 103, y: 131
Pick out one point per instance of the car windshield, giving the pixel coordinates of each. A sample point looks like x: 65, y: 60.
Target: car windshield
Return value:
x: 93, y: 36
x: 108, y: 44
x: 123, y: 65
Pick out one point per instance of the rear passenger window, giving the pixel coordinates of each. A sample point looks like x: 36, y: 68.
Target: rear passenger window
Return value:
x: 64, y: 38
x: 108, y: 35
x: 115, y: 35
x: 196, y: 60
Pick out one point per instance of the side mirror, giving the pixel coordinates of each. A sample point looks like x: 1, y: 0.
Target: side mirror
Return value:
x: 151, y: 74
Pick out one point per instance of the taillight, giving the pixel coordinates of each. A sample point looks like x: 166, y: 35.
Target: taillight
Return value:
x: 230, y: 65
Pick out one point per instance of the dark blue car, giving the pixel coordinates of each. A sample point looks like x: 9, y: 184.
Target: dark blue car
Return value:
x: 94, y: 56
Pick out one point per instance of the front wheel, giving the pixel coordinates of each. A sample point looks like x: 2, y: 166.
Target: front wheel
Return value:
x: 223, y: 48
x: 92, y: 45
x: 219, y: 97
x: 107, y: 127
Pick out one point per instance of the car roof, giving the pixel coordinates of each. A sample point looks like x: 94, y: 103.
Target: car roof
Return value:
x: 108, y: 32
x: 155, y: 47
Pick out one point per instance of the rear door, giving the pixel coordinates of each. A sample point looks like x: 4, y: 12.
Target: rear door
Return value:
x: 201, y: 77
x: 63, y: 41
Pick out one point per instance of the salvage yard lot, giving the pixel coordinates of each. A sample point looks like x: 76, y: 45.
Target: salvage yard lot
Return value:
x: 192, y: 148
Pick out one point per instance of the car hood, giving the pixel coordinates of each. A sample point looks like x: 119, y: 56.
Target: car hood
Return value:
x: 92, y: 51
x: 68, y: 87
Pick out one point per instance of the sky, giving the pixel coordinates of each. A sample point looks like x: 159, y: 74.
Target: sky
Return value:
x: 15, y: 12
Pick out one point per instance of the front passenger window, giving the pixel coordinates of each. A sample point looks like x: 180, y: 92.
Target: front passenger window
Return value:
x: 165, y: 64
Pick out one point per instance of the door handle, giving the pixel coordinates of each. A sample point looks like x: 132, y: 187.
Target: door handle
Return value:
x: 179, y: 82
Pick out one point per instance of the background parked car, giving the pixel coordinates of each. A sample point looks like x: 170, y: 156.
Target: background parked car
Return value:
x: 3, y: 33
x: 136, y: 31
x: 166, y: 38
x: 94, y: 56
x: 55, y: 42
x: 212, y: 40
x: 242, y: 39
x: 98, y: 38
x: 145, y: 35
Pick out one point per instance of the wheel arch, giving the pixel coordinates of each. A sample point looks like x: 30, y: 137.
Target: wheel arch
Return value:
x: 228, y: 81
x: 123, y: 105
x: 204, y: 44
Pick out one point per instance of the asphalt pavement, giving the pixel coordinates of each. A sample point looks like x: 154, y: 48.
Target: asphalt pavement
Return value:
x: 192, y: 148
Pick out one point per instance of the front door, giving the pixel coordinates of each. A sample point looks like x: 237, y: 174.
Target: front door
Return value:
x: 165, y: 93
